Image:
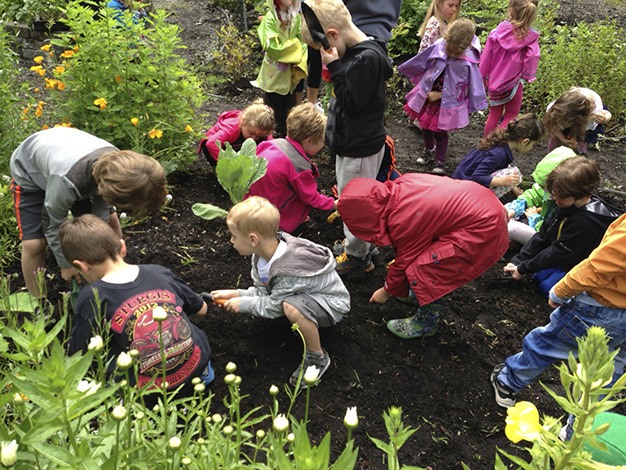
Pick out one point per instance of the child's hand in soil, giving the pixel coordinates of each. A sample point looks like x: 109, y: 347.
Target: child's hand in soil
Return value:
x: 511, y: 268
x: 380, y: 296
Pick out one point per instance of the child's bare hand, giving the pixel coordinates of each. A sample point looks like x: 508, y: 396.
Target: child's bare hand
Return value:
x: 511, y: 180
x: 221, y: 296
x: 434, y: 95
x: 329, y: 55
x: 70, y: 273
x: 232, y: 305
x: 512, y: 269
x: 531, y: 211
x: 380, y: 296
x: 511, y: 214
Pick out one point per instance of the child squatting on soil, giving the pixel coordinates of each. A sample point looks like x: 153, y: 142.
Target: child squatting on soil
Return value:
x: 573, y: 229
x: 293, y: 277
x: 290, y: 180
x: 255, y: 122
x: 63, y: 170
x: 445, y: 233
x: 592, y: 293
x: 448, y: 88
x: 355, y: 131
x: 490, y: 164
x: 566, y: 119
x: 129, y: 298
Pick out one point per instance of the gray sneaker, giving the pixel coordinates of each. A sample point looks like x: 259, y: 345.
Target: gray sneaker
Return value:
x: 340, y: 246
x: 322, y: 363
x: 505, y: 397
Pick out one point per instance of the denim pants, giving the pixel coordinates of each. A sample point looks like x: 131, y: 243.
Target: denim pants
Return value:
x: 548, y: 344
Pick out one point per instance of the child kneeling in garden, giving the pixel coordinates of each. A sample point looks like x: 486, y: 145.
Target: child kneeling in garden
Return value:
x: 290, y: 180
x: 128, y: 298
x: 292, y: 276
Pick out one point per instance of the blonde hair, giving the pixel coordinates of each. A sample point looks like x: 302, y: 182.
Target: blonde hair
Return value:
x: 259, y: 115
x: 131, y: 181
x: 255, y: 215
x: 522, y: 13
x: 305, y: 121
x: 331, y: 14
x: 435, y: 10
x: 458, y: 37
x: 90, y: 239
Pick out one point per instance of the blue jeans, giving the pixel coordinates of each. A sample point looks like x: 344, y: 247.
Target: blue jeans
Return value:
x: 548, y: 344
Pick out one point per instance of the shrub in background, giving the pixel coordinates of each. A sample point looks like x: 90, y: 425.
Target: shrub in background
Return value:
x: 234, y: 49
x: 125, y: 83
x: 28, y: 11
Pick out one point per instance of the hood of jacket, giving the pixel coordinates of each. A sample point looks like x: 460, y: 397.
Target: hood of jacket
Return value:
x: 302, y: 258
x: 505, y: 35
x: 363, y: 207
x: 550, y: 162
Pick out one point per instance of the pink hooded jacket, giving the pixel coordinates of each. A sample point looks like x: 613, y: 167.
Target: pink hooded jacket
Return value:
x: 507, y: 59
x: 226, y: 129
x: 445, y: 232
x: 290, y: 182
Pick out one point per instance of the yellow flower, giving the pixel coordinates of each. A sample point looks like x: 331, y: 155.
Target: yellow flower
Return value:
x: 60, y: 85
x: 75, y: 48
x: 41, y: 103
x: 50, y: 83
x: 36, y: 90
x: 38, y: 60
x: 64, y: 124
x: 46, y: 47
x: 135, y: 121
x: 26, y: 110
x: 38, y: 69
x: 118, y: 79
x: 155, y: 133
x: 101, y: 103
x: 188, y: 128
x: 44, y: 127
x: 67, y: 54
x: 59, y: 69
x: 39, y: 111
x: 522, y: 422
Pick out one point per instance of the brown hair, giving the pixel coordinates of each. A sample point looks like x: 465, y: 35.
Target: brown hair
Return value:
x: 458, y: 37
x: 435, y: 10
x: 569, y: 113
x: 255, y: 215
x: 259, y: 115
x: 575, y: 177
x: 527, y: 126
x: 522, y: 13
x: 131, y: 181
x: 305, y: 121
x: 90, y: 239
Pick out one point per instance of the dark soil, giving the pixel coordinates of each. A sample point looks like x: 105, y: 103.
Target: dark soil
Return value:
x: 441, y: 382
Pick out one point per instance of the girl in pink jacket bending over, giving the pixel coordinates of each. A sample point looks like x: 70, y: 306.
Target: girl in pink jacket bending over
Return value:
x: 510, y: 57
x: 290, y: 181
x: 255, y: 122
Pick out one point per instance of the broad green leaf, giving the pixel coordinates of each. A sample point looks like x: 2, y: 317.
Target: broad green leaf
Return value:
x: 208, y: 211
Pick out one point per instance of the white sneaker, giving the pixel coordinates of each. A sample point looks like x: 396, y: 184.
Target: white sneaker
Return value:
x: 421, y: 161
x: 438, y: 170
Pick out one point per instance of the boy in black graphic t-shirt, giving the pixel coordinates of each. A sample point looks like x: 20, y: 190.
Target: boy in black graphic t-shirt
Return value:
x: 129, y: 296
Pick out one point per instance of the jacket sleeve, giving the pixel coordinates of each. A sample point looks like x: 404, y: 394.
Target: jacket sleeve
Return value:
x: 431, y: 34
x: 351, y: 90
x: 477, y: 98
x: 305, y: 186
x: 602, y: 266
x: 222, y: 133
x: 494, y: 160
x: 531, y: 62
x: 271, y: 304
x: 414, y: 68
x: 486, y: 59
x: 537, y: 246
x: 533, y: 196
x: 288, y: 51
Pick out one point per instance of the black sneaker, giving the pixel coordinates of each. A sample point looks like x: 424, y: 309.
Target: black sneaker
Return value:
x: 348, y: 264
x: 322, y: 363
x: 505, y: 397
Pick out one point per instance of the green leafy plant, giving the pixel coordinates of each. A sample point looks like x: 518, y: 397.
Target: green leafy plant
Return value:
x: 236, y: 172
x: 398, y: 435
x: 28, y: 11
x: 405, y: 38
x: 142, y: 97
x: 586, y: 396
x: 234, y: 47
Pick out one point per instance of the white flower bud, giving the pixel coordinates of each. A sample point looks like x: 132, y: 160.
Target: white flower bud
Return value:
x: 174, y: 443
x: 311, y: 374
x: 291, y: 437
x: 260, y: 434
x: 237, y: 380
x: 88, y: 387
x: 273, y: 390
x: 228, y: 430
x: 159, y: 314
x: 281, y: 423
x: 8, y: 453
x: 119, y: 413
x: 123, y: 216
x: 230, y: 379
x: 199, y: 388
x: 217, y: 418
x: 140, y: 415
x: 168, y: 198
x: 124, y: 361
x: 134, y: 353
x: 200, y: 440
x: 231, y: 367
x: 196, y: 380
x: 96, y: 343
x: 185, y: 461
x: 351, y: 420
x: 18, y: 399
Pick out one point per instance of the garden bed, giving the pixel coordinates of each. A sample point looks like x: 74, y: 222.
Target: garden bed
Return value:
x: 441, y: 382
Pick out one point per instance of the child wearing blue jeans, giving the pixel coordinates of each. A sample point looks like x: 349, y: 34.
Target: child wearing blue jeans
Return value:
x: 127, y: 296
x: 592, y: 293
